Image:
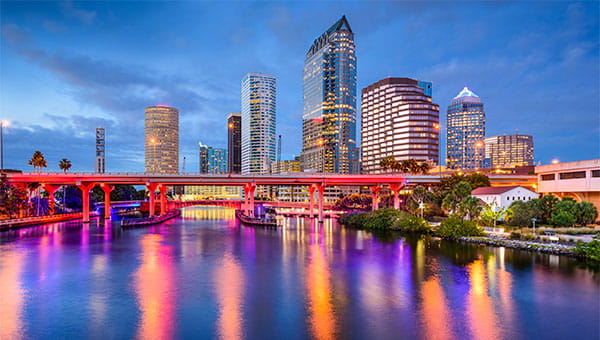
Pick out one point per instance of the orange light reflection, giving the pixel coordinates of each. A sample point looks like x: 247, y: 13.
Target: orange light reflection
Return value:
x: 230, y: 292
x: 11, y: 295
x: 155, y: 289
x: 321, y: 315
x: 482, y: 316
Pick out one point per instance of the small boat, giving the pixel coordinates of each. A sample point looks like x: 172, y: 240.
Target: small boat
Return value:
x: 262, y: 221
x: 135, y: 222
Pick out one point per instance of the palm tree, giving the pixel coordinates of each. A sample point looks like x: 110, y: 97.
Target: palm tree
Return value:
x: 424, y: 168
x: 38, y: 161
x: 64, y: 164
x: 387, y: 163
x: 470, y: 207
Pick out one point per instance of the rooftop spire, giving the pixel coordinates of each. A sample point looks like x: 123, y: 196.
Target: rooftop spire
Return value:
x: 466, y: 93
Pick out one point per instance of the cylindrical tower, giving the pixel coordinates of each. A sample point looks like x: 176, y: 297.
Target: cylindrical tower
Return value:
x: 161, y: 140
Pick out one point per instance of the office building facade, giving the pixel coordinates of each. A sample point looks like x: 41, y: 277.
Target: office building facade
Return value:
x: 400, y: 120
x: 508, y: 151
x: 212, y: 160
x: 161, y: 140
x: 234, y: 142
x: 329, y: 114
x: 100, y: 161
x: 258, y: 123
x: 465, y: 121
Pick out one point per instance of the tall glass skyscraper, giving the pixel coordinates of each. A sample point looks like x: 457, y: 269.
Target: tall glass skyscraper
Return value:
x: 161, y: 139
x: 234, y: 142
x: 258, y: 123
x: 466, y: 131
x: 329, y: 117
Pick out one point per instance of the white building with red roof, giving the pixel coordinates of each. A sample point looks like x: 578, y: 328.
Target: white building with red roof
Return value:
x: 504, y: 196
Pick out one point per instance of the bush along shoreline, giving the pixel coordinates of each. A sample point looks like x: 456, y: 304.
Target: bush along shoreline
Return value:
x: 454, y: 228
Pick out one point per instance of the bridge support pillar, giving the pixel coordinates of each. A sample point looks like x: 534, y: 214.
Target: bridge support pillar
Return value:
x: 163, y: 198
x: 151, y: 203
x: 249, y: 189
x: 396, y: 191
x: 50, y: 189
x: 321, y: 189
x: 311, y: 204
x: 85, y: 195
x: 375, y: 189
x: 107, y: 190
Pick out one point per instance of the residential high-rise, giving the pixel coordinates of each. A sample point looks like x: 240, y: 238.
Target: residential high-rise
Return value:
x: 399, y: 120
x: 234, y: 142
x: 286, y: 166
x: 508, y: 150
x: 258, y: 123
x: 465, y: 131
x: 212, y: 160
x: 161, y: 139
x: 329, y: 117
x: 99, y: 164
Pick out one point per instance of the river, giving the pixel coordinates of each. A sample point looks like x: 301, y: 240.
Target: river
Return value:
x: 203, y: 275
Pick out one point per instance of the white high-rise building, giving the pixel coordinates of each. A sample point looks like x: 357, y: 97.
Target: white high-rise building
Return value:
x: 99, y: 164
x: 258, y: 123
x: 398, y: 120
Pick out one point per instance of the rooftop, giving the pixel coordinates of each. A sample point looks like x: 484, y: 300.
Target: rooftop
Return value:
x: 494, y: 190
x: 466, y: 93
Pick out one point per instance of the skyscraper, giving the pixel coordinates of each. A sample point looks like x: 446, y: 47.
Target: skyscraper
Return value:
x: 234, y: 142
x: 508, y: 150
x: 99, y: 164
x: 161, y: 139
x: 329, y: 117
x: 399, y: 120
x: 212, y: 160
x: 258, y: 123
x: 466, y: 131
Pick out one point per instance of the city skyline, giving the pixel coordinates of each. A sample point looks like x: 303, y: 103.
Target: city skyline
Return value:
x: 73, y: 84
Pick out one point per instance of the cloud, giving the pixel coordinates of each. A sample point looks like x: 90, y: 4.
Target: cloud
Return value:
x: 86, y: 17
x: 14, y: 35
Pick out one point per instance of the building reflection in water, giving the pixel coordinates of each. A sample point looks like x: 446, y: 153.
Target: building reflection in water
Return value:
x: 155, y: 288
x: 318, y: 286
x: 481, y: 313
x: 11, y: 294
x: 436, y: 316
x: 208, y: 213
x: 229, y: 285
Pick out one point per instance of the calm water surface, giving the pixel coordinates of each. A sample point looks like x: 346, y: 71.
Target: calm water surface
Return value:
x: 204, y: 276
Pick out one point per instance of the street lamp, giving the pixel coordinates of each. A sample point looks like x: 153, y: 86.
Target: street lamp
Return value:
x: 3, y: 123
x: 533, y: 221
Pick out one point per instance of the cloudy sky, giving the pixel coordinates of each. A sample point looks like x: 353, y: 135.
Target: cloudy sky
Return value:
x: 68, y: 67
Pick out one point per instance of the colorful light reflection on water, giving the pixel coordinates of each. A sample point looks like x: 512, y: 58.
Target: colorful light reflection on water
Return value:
x: 204, y: 276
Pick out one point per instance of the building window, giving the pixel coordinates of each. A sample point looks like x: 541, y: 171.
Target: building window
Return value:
x: 595, y: 173
x: 548, y: 177
x: 572, y: 175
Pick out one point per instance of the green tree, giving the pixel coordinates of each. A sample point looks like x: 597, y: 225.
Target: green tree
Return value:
x: 453, y: 199
x: 13, y: 200
x: 546, y: 204
x: 492, y: 213
x: 586, y: 213
x: 475, y: 180
x: 38, y: 161
x: 454, y: 227
x: 563, y: 219
x: 470, y: 207
x: 523, y: 212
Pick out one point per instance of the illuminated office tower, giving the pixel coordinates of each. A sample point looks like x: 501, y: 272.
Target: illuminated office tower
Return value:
x: 329, y: 115
x: 258, y: 123
x: 466, y: 130
x: 99, y: 165
x: 212, y: 160
x: 508, y: 150
x: 234, y: 142
x: 398, y: 120
x: 161, y: 140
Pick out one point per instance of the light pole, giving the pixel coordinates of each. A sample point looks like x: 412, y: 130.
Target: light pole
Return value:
x: 533, y: 221
x: 3, y: 123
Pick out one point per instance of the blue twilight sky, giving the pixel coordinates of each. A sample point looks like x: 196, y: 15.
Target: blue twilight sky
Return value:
x: 68, y: 67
